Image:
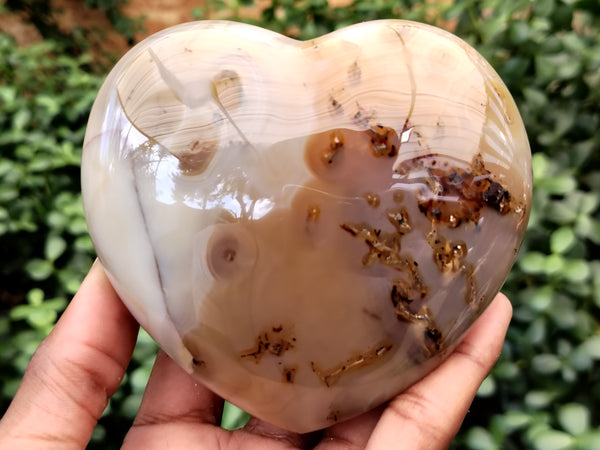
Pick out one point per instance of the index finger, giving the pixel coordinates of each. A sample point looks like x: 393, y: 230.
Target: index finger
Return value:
x: 429, y: 414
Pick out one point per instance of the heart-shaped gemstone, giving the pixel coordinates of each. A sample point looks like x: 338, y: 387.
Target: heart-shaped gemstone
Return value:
x: 306, y: 227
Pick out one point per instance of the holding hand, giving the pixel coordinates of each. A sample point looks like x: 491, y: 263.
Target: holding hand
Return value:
x: 79, y: 366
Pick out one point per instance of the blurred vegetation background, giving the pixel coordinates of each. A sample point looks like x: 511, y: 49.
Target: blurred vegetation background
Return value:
x: 544, y: 393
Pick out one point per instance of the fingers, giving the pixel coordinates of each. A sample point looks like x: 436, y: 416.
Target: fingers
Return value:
x: 178, y: 411
x: 277, y: 437
x: 173, y: 395
x: 173, y: 400
x: 352, y: 434
x: 429, y: 414
x: 74, y: 371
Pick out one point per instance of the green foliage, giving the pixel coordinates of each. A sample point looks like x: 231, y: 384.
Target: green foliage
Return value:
x: 45, y: 97
x: 233, y: 417
x: 308, y: 19
x: 543, y: 392
x: 124, y: 25
x: 547, y: 377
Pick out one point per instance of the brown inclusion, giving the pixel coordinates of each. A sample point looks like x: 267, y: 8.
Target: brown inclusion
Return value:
x: 384, y: 140
x: 452, y: 256
x: 457, y: 194
x: 272, y: 342
x: 289, y: 373
x: 432, y: 336
x: 331, y: 376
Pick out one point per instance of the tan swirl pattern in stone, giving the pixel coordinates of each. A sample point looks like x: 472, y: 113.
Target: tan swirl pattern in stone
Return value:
x: 306, y: 227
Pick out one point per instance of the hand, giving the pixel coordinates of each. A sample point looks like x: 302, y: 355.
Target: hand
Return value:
x: 82, y: 362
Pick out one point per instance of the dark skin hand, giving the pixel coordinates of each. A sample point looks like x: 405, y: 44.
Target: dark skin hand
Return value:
x: 82, y: 362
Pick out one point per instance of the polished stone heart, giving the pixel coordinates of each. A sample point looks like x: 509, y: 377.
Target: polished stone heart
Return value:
x: 306, y: 227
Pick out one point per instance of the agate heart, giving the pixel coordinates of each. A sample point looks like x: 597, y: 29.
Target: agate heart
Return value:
x: 306, y: 227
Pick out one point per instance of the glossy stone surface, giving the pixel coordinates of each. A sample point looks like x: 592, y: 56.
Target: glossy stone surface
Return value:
x: 306, y: 227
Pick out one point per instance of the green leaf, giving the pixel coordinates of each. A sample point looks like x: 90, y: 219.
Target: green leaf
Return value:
x: 99, y: 434
x: 574, y: 418
x: 553, y: 264
x: 580, y: 360
x: 576, y: 270
x: 519, y: 32
x: 487, y: 388
x: 545, y: 68
x: 538, y: 100
x: 8, y: 95
x: 589, y: 440
x: 50, y: 103
x: 539, y: 399
x: 571, y: 69
x: 539, y: 162
x: 564, y: 313
x: 493, y: 27
x: 561, y: 212
x: 55, y: 304
x: 35, y: 297
x: 533, y: 262
x: 233, y: 417
x: 57, y: 220
x: 139, y: 379
x: 21, y: 119
x: 541, y: 298
x: 83, y: 244
x: 20, y: 312
x: 546, y: 363
x: 569, y: 374
x: 131, y: 404
x: 55, y: 247
x: 543, y: 7
x: 513, y: 420
x: 506, y: 370
x: 560, y: 184
x: 478, y: 438
x: 536, y: 333
x: 77, y: 226
x: 552, y: 440
x: 561, y: 240
x: 39, y: 269
x: 588, y: 227
x: 589, y: 202
x: 42, y: 318
x: 8, y: 193
x: 592, y: 347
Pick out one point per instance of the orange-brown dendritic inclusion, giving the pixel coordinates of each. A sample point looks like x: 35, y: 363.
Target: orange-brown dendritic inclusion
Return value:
x: 340, y: 153
x: 276, y: 342
x: 353, y: 195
